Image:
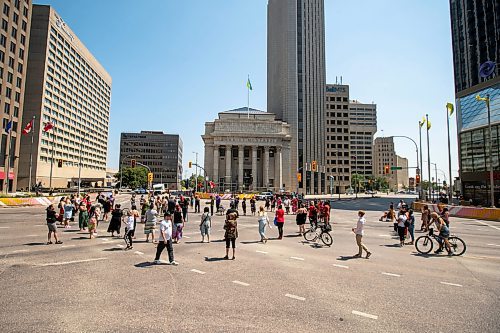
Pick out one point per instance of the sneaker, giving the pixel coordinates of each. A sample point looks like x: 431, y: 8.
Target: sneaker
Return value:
x: 157, y: 262
x: 48, y: 243
x: 226, y: 257
x: 438, y: 251
x: 357, y: 255
x: 174, y: 263
x: 59, y: 242
x: 368, y: 255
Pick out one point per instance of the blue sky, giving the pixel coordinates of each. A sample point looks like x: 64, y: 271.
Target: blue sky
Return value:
x: 176, y: 64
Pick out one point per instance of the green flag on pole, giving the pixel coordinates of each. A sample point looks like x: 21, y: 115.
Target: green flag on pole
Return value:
x: 249, y: 85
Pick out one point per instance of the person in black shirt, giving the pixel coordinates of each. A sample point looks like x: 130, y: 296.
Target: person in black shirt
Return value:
x: 51, y: 225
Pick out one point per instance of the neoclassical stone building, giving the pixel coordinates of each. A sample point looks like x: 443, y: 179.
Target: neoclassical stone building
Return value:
x: 248, y: 151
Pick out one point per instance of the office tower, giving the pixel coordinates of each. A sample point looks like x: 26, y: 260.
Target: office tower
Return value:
x: 362, y: 128
x: 14, y: 43
x: 338, y: 151
x: 67, y: 87
x: 385, y: 158
x: 475, y: 31
x: 161, y: 152
x: 296, y: 85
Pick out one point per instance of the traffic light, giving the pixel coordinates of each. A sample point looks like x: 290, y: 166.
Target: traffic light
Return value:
x: 417, y: 179
x: 386, y: 169
x: 314, y: 166
x: 150, y: 177
x: 190, y: 164
x: 299, y: 177
x: 59, y: 163
x: 132, y: 163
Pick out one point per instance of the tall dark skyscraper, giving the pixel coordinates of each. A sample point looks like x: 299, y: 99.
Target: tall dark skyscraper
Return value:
x: 296, y: 85
x: 475, y: 30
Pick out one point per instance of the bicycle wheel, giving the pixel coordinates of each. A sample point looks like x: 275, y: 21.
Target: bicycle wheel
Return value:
x: 310, y: 235
x: 424, y: 244
x: 326, y: 238
x: 457, y: 245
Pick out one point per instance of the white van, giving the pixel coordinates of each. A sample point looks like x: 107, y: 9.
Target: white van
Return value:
x: 158, y: 189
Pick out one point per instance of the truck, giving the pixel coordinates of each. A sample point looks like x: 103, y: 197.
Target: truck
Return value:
x: 158, y: 189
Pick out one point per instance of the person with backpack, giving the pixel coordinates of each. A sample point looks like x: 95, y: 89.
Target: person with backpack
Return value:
x: 51, y: 225
x: 231, y: 233
x: 205, y: 225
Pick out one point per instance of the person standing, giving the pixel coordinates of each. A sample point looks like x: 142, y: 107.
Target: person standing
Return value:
x: 411, y: 226
x: 129, y: 229
x: 244, y: 206
x: 106, y: 207
x: 68, y: 212
x: 426, y: 217
x: 150, y: 226
x: 217, y: 202
x: 184, y: 203
x: 205, y: 225
x: 286, y: 202
x: 51, y: 225
x: 231, y: 227
x: 263, y: 221
x: 280, y: 220
x: 212, y: 202
x: 252, y: 206
x: 197, y: 204
x: 359, y: 232
x: 83, y: 217
x: 301, y: 218
x: 116, y: 221
x: 401, y: 228
x: 93, y: 216
x: 165, y: 240
x: 178, y: 224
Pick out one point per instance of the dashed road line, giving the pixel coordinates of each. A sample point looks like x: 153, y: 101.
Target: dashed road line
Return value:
x: 69, y: 245
x: 295, y: 297
x: 451, y: 284
x: 297, y: 258
x: 139, y: 252
x: 104, y: 239
x: 122, y: 246
x: 384, y: 235
x: 32, y: 236
x: 241, y: 283
x: 391, y: 274
x: 493, y: 245
x: 263, y: 252
x: 19, y: 251
x: 363, y: 314
x: 341, y: 266
x: 187, y: 237
x: 70, y: 262
x: 4, y: 227
x: 491, y: 226
x: 197, y: 271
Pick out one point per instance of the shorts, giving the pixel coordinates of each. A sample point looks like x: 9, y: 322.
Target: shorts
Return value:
x: 205, y: 229
x: 68, y: 215
x: 52, y: 227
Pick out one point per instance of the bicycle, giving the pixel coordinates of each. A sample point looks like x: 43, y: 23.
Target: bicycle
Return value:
x: 424, y: 244
x: 321, y: 231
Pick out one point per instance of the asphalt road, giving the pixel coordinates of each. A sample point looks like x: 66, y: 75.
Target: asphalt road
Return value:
x: 282, y: 286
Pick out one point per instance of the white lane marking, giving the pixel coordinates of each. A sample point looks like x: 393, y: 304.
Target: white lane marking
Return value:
x: 451, y: 284
x: 138, y: 252
x: 241, y: 283
x: 197, y: 271
x: 40, y: 225
x: 297, y: 258
x: 4, y: 227
x: 491, y: 226
x: 263, y: 252
x: 493, y: 245
x: 295, y: 297
x: 472, y: 257
x: 104, y: 239
x: 391, y: 274
x: 68, y: 246
x: 32, y: 236
x: 362, y: 314
x: 186, y: 237
x: 70, y: 262
x: 18, y: 251
x: 384, y: 235
x: 119, y: 245
x: 341, y: 266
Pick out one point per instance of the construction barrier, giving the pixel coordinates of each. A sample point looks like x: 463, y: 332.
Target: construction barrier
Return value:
x: 224, y: 196
x: 34, y: 201
x: 491, y: 214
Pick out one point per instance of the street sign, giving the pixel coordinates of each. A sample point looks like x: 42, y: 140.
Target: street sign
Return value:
x: 396, y: 168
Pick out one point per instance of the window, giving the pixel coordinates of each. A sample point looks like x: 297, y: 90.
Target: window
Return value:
x: 12, y: 47
x: 10, y: 76
x: 21, y: 53
x: 7, y: 108
x: 6, y: 9
x: 23, y: 39
x: 19, y: 82
x: 8, y: 92
x: 16, y: 111
x: 15, y: 18
x: 2, y: 56
x: 16, y: 4
x: 5, y: 25
x: 17, y: 97
x: 11, y: 62
x: 24, y: 25
x: 25, y: 11
x: 20, y: 68
x: 14, y: 32
x: 3, y: 40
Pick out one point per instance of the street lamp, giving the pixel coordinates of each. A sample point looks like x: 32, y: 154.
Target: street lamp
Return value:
x: 196, y: 177
x: 492, y: 183
x: 418, y: 165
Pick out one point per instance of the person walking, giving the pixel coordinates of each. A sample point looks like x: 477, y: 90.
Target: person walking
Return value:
x: 263, y: 221
x: 410, y: 220
x: 116, y: 221
x: 231, y: 233
x: 165, y: 240
x: 217, y: 202
x: 150, y: 226
x: 301, y: 218
x: 197, y: 204
x: 426, y: 218
x: 212, y: 202
x: 129, y: 229
x: 83, y: 217
x: 244, y: 206
x: 68, y: 212
x: 253, y: 206
x: 106, y: 207
x: 401, y: 228
x: 280, y: 220
x: 93, y: 221
x: 205, y: 225
x: 178, y: 224
x: 51, y: 219
x: 359, y: 232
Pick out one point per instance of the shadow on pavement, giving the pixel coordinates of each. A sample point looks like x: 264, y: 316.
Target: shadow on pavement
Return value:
x: 292, y: 236
x: 34, y: 244
x: 80, y: 238
x: 391, y: 245
x: 215, y: 259
x: 251, y: 242
x: 147, y: 264
x: 345, y: 258
x: 113, y: 249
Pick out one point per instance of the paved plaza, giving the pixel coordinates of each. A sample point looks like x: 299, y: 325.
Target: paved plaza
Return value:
x: 283, y: 286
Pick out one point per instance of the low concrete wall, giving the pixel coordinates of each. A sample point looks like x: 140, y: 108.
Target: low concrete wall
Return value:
x: 34, y: 201
x: 491, y: 214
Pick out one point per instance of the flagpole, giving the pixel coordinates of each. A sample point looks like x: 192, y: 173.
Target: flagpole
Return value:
x: 420, y: 166
x: 52, y: 159
x: 7, y: 159
x: 449, y: 157
x: 248, y: 98
x: 31, y: 153
x: 428, y: 157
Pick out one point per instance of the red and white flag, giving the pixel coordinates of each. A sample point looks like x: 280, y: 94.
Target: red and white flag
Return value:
x: 48, y: 126
x: 28, y: 127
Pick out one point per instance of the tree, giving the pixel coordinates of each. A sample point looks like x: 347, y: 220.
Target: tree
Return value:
x: 133, y: 177
x: 357, y: 181
x: 381, y: 183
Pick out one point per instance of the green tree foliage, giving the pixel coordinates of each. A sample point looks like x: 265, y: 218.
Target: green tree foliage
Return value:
x: 133, y: 177
x: 381, y: 183
x: 357, y: 180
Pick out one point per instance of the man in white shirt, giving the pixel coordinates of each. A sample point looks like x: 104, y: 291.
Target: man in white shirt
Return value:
x: 165, y: 240
x: 359, y: 231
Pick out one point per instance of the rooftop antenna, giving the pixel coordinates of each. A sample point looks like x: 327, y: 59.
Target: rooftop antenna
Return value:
x: 336, y: 81
x: 341, y: 79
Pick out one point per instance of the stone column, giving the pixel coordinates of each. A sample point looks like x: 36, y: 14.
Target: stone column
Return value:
x: 241, y: 156
x: 265, y: 166
x: 278, y: 173
x: 215, y: 176
x: 229, y: 158
x: 254, y: 167
x: 311, y: 184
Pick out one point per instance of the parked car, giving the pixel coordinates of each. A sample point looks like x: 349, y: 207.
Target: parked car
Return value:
x: 370, y: 192
x: 264, y: 195
x: 140, y: 191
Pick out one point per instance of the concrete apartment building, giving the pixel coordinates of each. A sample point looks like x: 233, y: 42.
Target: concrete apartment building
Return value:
x: 385, y: 156
x: 68, y: 87
x: 14, y: 45
x: 475, y: 32
x: 159, y: 151
x: 362, y: 128
x: 296, y: 85
x: 338, y: 150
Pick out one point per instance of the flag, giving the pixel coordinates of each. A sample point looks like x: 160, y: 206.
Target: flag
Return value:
x: 249, y: 84
x: 28, y: 127
x: 421, y: 123
x: 48, y: 126
x: 428, y: 125
x: 8, y: 127
x: 449, y: 106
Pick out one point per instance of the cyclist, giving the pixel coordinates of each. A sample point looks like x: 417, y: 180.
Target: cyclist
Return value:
x: 444, y: 233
